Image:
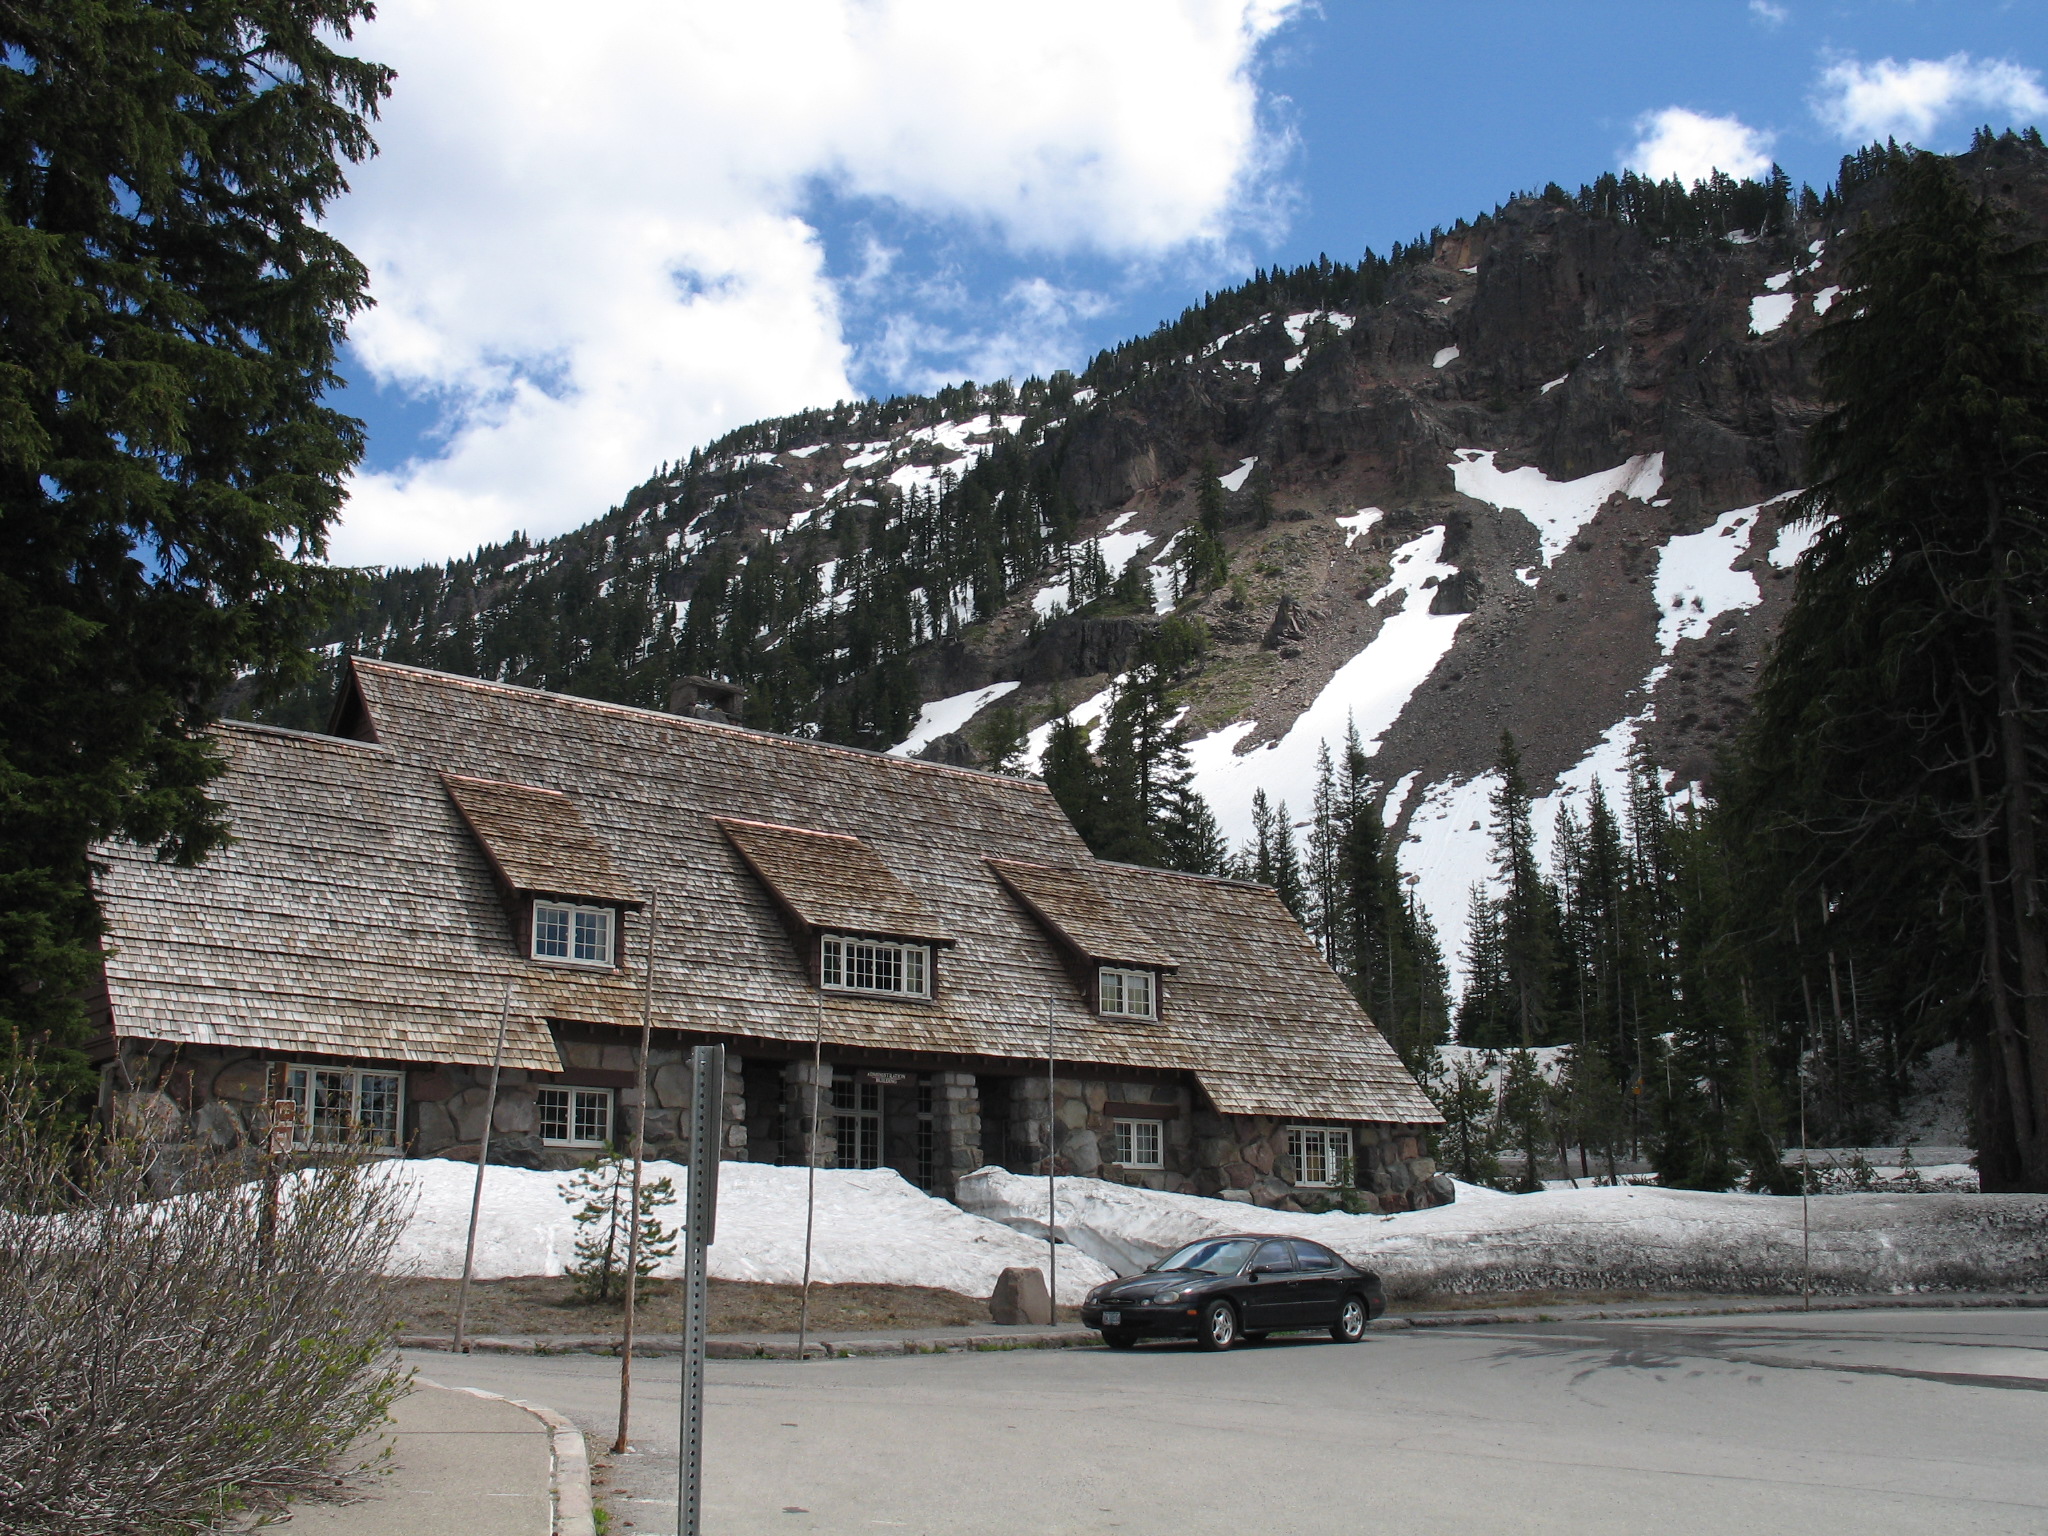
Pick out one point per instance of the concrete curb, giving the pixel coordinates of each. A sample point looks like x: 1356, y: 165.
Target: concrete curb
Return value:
x: 774, y: 1347
x: 574, y: 1514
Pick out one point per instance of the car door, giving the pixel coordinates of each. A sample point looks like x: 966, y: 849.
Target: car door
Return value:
x: 1318, y: 1283
x: 1268, y: 1288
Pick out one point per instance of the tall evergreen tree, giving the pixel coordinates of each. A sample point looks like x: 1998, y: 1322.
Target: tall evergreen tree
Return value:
x: 1896, y: 756
x: 168, y: 473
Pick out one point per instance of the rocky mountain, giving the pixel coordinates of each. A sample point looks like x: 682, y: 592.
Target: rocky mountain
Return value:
x: 1526, y: 475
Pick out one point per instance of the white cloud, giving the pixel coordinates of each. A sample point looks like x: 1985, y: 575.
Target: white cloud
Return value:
x: 1691, y: 145
x: 1888, y: 99
x: 1772, y: 16
x: 591, y: 239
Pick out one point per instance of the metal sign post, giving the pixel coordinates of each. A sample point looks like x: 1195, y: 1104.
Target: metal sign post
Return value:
x: 707, y: 1124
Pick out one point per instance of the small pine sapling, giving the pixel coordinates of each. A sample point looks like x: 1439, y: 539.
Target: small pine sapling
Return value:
x: 604, y: 1188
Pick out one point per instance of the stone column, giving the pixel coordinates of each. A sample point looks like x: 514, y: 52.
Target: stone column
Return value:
x: 956, y: 1129
x: 733, y: 1144
x: 1029, y: 1122
x: 800, y: 1147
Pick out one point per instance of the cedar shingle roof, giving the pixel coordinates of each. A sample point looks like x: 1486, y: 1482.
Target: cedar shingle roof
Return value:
x: 831, y: 881
x: 356, y: 915
x: 1076, y: 912
x: 536, y: 840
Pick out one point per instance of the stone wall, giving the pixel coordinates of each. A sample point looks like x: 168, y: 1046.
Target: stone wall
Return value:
x: 1245, y: 1157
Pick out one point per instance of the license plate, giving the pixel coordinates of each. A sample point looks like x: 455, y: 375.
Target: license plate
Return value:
x: 1111, y: 1319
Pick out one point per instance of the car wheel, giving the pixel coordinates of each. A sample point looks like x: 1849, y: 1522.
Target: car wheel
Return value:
x: 1350, y: 1325
x: 1117, y: 1338
x: 1219, y: 1325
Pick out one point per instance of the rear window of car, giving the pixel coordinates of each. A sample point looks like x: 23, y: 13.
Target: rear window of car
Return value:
x: 1311, y: 1256
x: 1273, y: 1256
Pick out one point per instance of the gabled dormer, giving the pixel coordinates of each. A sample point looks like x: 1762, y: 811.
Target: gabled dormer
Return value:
x: 1115, y: 964
x: 565, y: 897
x: 859, y: 928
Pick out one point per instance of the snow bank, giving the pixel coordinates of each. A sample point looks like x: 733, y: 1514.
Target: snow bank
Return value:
x: 1696, y: 583
x: 1629, y: 1238
x: 1768, y: 311
x: 1234, y: 481
x: 873, y: 1227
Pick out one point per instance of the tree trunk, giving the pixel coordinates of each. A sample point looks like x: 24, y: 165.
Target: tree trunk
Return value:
x: 2008, y: 1045
x: 2023, y: 873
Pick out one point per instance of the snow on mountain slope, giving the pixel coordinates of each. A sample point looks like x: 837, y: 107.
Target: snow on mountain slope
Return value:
x: 1368, y: 692
x: 1558, y: 508
x: 941, y: 717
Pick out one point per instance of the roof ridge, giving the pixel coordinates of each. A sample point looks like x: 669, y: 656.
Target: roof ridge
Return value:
x: 608, y: 705
x: 1185, y: 874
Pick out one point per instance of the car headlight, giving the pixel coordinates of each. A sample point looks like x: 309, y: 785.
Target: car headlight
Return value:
x: 1165, y: 1297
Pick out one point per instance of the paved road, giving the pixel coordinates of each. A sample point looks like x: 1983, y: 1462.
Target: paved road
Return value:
x: 1866, y: 1422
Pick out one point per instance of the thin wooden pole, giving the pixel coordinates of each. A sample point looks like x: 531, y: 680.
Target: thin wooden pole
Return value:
x: 639, y: 1158
x: 1052, y: 1173
x: 803, y: 1310
x: 476, y: 1199
x: 1805, y: 1179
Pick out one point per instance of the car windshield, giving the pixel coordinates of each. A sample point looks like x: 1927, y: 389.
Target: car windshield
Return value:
x: 1211, y: 1258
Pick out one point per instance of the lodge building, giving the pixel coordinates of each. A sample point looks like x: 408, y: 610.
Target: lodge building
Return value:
x: 911, y: 965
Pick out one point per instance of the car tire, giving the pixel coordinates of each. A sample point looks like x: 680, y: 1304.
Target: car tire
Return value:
x: 1352, y: 1317
x: 1219, y: 1326
x: 1118, y: 1338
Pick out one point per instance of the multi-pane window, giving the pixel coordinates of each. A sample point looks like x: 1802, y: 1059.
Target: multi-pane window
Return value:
x: 1321, y: 1156
x: 1128, y: 993
x: 857, y: 1119
x: 1139, y: 1143
x: 580, y: 935
x: 345, y: 1106
x: 874, y: 965
x: 927, y: 1134
x: 575, y: 1117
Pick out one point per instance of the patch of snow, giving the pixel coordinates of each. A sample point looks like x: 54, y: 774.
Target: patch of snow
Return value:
x: 1369, y: 691
x: 1816, y: 247
x: 1297, y: 324
x: 805, y: 453
x: 1117, y: 524
x: 1397, y: 797
x: 1164, y: 581
x: 1468, y: 271
x: 1089, y: 712
x: 873, y: 1227
x: 1526, y: 574
x: 1768, y: 311
x: 833, y: 490
x: 1606, y: 763
x: 1234, y: 481
x: 1544, y: 389
x: 942, y: 717
x: 1358, y: 523
x: 1794, y: 540
x: 1777, y: 280
x: 1447, y: 298
x: 921, y: 477
x: 1558, y: 508
x: 1444, y: 355
x: 1695, y: 581
x: 1446, y: 855
x: 1295, y: 361
x: 1084, y: 396
x: 1739, y: 237
x: 1825, y: 299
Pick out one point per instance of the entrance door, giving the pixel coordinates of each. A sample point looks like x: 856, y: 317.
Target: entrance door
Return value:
x: 857, y: 1115
x: 1269, y: 1301
x: 1316, y: 1289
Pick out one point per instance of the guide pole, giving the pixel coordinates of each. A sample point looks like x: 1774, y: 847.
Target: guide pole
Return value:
x: 811, y: 1133
x: 1052, y: 1175
x: 476, y: 1199
x: 707, y: 1118
x: 639, y: 1158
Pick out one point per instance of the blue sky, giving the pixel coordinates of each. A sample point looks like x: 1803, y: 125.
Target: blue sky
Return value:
x: 591, y: 256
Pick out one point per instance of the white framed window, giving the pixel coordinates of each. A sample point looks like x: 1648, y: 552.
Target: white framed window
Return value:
x: 1129, y: 993
x: 579, y: 935
x: 346, y: 1106
x: 1321, y: 1156
x: 874, y: 965
x: 575, y: 1117
x: 856, y: 1121
x: 1141, y: 1143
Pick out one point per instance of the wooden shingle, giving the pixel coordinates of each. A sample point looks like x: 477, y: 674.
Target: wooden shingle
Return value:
x: 832, y: 882
x: 537, y: 841
x: 1068, y: 903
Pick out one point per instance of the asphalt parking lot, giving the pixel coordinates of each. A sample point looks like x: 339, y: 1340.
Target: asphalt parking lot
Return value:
x: 1864, y: 1422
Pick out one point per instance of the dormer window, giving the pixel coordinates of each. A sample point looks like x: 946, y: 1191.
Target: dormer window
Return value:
x: 1129, y: 994
x: 577, y: 935
x: 874, y: 965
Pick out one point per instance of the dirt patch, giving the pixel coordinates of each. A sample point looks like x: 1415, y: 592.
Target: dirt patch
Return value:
x: 541, y: 1306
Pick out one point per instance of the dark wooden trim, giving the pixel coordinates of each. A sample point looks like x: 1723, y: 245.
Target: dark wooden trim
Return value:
x: 1124, y: 1109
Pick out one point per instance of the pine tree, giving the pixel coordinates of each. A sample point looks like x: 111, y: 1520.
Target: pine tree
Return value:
x: 1897, y: 753
x: 168, y: 472
x: 1528, y: 906
x: 1524, y: 1116
x: 602, y: 1192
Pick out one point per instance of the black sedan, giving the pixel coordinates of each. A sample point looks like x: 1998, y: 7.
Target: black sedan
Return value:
x: 1223, y: 1289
